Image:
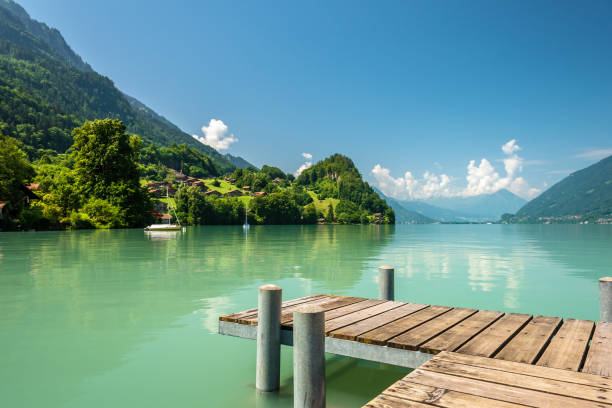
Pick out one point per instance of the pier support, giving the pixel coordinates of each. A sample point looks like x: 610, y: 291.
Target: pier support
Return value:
x: 386, y: 285
x: 309, y: 357
x: 605, y: 299
x: 267, y: 377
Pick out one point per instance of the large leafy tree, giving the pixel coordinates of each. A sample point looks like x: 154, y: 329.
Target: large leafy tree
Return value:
x: 15, y: 172
x: 105, y: 158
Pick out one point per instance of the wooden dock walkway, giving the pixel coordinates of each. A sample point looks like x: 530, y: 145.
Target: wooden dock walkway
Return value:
x: 410, y: 334
x: 460, y: 380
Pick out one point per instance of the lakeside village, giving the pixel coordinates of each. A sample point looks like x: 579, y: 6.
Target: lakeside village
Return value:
x: 226, y: 187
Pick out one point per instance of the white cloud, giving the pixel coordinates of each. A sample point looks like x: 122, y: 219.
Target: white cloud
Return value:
x: 481, y: 179
x: 215, y: 135
x: 595, y: 154
x: 304, y: 166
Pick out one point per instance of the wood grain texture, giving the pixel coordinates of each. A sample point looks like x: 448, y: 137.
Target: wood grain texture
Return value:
x: 342, y: 321
x: 460, y: 334
x: 412, y: 339
x: 529, y: 343
x: 380, y: 335
x: 567, y: 350
x: 495, y: 336
x: 599, y: 357
x: 352, y: 331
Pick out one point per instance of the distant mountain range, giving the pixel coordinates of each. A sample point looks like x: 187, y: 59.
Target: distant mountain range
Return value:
x: 485, y: 207
x: 586, y: 193
x: 47, y: 90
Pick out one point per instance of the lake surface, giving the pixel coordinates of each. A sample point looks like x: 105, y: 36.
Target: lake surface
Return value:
x: 118, y: 318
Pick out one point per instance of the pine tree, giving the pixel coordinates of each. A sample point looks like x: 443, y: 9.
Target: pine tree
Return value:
x: 330, y: 213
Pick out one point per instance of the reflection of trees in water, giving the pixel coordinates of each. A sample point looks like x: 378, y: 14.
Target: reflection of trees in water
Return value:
x: 119, y: 289
x: 584, y: 250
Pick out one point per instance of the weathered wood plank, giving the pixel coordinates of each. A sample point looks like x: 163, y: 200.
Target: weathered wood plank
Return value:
x: 562, y: 388
x: 341, y: 311
x: 460, y: 334
x: 529, y: 343
x: 567, y: 348
x: 341, y: 321
x: 530, y: 370
x: 352, y: 331
x: 599, y: 357
x: 499, y: 391
x: 412, y: 339
x: 287, y: 312
x: 385, y: 401
x: 382, y: 334
x: 234, y: 317
x: 490, y: 340
x: 440, y: 397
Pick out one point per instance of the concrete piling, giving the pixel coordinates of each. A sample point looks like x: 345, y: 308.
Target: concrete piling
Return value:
x: 386, y: 286
x: 605, y: 299
x: 309, y: 357
x: 268, y: 338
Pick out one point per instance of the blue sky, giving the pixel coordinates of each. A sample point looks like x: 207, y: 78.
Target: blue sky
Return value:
x: 410, y: 86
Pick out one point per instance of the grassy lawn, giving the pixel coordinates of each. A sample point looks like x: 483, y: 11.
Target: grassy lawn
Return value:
x: 223, y: 188
x: 323, y: 205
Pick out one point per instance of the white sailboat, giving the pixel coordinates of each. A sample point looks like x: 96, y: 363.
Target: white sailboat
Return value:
x: 169, y: 226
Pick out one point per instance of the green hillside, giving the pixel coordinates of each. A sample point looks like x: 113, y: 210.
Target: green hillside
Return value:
x: 46, y: 90
x: 587, y: 193
x: 337, y: 177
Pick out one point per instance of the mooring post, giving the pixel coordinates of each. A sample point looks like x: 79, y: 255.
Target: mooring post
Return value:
x: 267, y: 377
x: 309, y: 357
x: 386, y: 289
x: 605, y: 299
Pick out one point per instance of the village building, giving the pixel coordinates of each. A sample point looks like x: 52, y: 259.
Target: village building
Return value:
x: 276, y: 180
x: 2, y: 205
x: 213, y: 193
x: 260, y: 194
x: 246, y: 188
x: 234, y: 193
x: 321, y: 220
x: 201, y: 185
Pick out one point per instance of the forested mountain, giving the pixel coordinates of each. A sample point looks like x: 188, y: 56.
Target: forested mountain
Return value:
x: 586, y: 193
x: 46, y: 90
x: 337, y: 177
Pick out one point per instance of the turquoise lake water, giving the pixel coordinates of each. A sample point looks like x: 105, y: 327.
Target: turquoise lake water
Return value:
x: 118, y: 318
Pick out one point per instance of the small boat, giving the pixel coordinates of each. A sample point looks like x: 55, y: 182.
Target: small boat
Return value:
x: 169, y: 226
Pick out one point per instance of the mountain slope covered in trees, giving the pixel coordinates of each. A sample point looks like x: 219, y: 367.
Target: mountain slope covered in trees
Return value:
x: 337, y: 177
x: 587, y: 192
x: 46, y: 90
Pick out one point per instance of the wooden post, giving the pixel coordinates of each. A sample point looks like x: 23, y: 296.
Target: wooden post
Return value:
x: 267, y: 376
x: 605, y: 299
x: 386, y: 285
x: 309, y: 357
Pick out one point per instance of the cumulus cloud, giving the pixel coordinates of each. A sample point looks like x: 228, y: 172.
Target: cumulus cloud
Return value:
x: 216, y: 135
x: 304, y: 166
x: 482, y: 178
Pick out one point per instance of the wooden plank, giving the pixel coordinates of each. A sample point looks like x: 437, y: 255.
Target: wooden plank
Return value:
x: 412, y: 339
x: 599, y: 357
x: 341, y: 321
x: 385, y: 401
x: 498, y: 391
x: 440, y: 397
x: 527, y: 369
x: 253, y: 312
x: 382, y: 334
x: 567, y: 349
x: 495, y: 336
x: 327, y: 303
x: 529, y: 343
x: 562, y: 388
x: 460, y: 334
x: 341, y: 311
x: 352, y: 331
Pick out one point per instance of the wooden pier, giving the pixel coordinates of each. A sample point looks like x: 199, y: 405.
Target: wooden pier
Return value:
x: 463, y: 357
